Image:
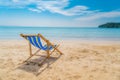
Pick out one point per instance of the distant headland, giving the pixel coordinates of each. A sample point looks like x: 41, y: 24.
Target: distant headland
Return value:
x: 110, y: 25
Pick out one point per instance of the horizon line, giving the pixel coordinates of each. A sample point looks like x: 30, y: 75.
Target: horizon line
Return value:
x: 49, y: 26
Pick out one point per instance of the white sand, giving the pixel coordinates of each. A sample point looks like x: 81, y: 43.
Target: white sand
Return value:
x: 82, y: 60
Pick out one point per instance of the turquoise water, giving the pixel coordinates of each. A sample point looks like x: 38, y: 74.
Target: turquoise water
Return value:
x: 62, y: 33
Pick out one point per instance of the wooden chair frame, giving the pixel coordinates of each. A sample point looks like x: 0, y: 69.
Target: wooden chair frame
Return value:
x: 47, y: 51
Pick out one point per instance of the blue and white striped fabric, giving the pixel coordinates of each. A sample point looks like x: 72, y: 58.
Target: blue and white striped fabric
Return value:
x: 36, y: 41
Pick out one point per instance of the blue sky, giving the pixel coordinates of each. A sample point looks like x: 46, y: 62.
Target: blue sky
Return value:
x: 58, y: 13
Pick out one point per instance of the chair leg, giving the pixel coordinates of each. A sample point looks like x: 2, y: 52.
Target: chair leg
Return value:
x: 48, y: 55
x: 59, y: 51
x: 31, y: 56
x: 54, y: 49
x: 27, y: 59
x: 30, y: 49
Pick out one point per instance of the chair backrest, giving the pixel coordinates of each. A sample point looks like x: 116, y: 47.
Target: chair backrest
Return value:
x: 36, y: 41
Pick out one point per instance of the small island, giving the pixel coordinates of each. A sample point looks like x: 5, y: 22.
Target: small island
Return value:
x: 110, y: 25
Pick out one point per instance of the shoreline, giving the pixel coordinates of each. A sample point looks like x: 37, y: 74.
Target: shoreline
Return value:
x: 72, y: 40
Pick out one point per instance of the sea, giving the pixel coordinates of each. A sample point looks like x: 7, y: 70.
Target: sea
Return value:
x: 62, y: 33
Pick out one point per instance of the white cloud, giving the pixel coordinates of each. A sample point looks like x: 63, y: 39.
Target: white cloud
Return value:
x: 34, y: 10
x: 53, y: 6
x: 100, y: 15
x: 98, y: 18
x: 77, y: 10
x: 14, y: 3
x: 58, y: 6
x: 15, y: 0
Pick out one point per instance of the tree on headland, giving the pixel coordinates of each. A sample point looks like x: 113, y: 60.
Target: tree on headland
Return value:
x: 110, y: 25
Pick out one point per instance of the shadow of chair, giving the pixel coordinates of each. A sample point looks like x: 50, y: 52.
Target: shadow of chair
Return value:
x: 34, y: 65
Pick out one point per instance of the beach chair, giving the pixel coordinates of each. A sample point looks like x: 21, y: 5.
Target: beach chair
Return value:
x: 36, y: 40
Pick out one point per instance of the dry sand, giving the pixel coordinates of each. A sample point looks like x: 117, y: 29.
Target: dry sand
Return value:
x: 82, y: 60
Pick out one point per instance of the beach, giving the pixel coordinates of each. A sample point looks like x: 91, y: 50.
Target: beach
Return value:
x: 84, y: 40
x: 81, y: 60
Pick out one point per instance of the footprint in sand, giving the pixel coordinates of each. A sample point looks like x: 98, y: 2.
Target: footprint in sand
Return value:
x: 91, y: 77
x: 77, y: 77
x: 2, y: 61
x: 0, y: 78
x: 94, y: 70
x: 9, y: 63
x: 85, y: 51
